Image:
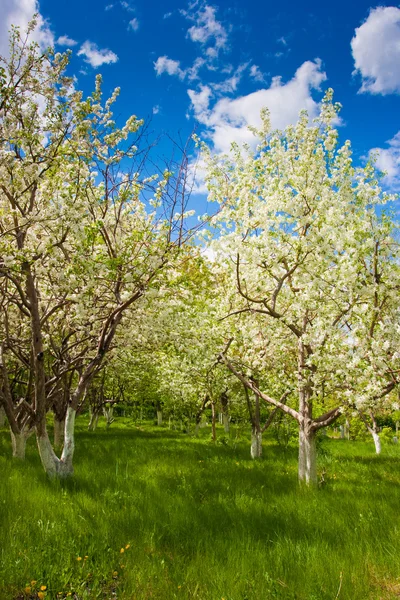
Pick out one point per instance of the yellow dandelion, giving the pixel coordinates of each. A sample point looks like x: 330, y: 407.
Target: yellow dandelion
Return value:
x: 115, y: 573
x: 33, y: 582
x: 122, y: 550
x: 43, y: 588
x: 86, y: 557
x: 79, y: 558
x: 127, y: 547
x: 122, y: 566
x: 28, y: 589
x: 41, y: 595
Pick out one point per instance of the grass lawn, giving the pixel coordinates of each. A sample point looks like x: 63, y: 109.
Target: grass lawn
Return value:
x: 156, y: 514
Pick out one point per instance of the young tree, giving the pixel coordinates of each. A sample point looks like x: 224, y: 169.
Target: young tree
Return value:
x: 292, y: 243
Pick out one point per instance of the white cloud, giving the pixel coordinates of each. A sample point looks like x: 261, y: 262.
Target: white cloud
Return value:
x: 64, y: 40
x: 228, y: 119
x: 200, y: 100
x: 134, y: 24
x: 231, y: 84
x: 156, y: 109
x: 207, y: 29
x: 388, y: 160
x: 376, y: 51
x: 164, y: 64
x: 256, y: 74
x: 20, y: 12
x: 127, y: 6
x: 109, y: 7
x: 96, y: 56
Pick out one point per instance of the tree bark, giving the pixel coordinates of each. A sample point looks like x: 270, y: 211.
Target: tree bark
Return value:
x: 2, y: 417
x: 159, y: 418
x: 214, y: 418
x: 256, y: 443
x: 58, y: 432
x: 307, y: 455
x: 377, y: 441
x: 225, y: 420
x: 18, y: 442
x: 54, y: 466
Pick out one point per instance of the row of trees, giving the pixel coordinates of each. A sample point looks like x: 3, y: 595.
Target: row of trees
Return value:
x: 288, y: 299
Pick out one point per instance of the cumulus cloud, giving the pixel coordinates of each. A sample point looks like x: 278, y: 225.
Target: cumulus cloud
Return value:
x: 96, y: 56
x: 388, y: 161
x: 64, y: 40
x: 167, y: 65
x: 134, y: 24
x: 228, y: 119
x: 376, y: 51
x: 20, y: 12
x: 207, y: 29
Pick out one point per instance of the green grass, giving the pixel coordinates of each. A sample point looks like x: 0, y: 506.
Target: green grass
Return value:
x: 202, y: 520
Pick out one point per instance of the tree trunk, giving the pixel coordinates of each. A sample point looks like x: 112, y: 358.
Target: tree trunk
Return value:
x: 18, y: 442
x: 307, y: 456
x: 213, y: 412
x: 54, y: 466
x: 377, y: 441
x: 256, y: 443
x: 94, y: 417
x: 58, y: 432
x: 159, y: 417
x: 225, y: 420
x: 2, y: 417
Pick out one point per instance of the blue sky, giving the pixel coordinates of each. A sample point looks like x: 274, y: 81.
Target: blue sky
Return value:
x: 213, y: 65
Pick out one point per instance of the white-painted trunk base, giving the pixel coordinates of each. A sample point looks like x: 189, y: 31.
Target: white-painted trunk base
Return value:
x: 18, y: 443
x: 256, y: 444
x: 159, y: 417
x: 377, y: 442
x: 54, y: 466
x: 307, y: 458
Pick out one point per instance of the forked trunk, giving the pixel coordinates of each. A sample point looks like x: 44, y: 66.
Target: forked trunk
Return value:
x: 377, y: 441
x: 54, y: 466
x: 256, y: 443
x: 159, y: 417
x: 58, y: 432
x: 307, y: 456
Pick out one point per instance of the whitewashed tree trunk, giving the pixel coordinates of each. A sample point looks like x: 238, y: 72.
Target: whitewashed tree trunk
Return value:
x: 2, y: 417
x: 18, y: 442
x: 377, y: 441
x: 58, y: 432
x: 225, y: 420
x: 307, y: 456
x: 342, y: 432
x: 94, y: 418
x: 347, y: 429
x: 159, y: 417
x: 256, y: 444
x: 108, y: 413
x: 54, y: 466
